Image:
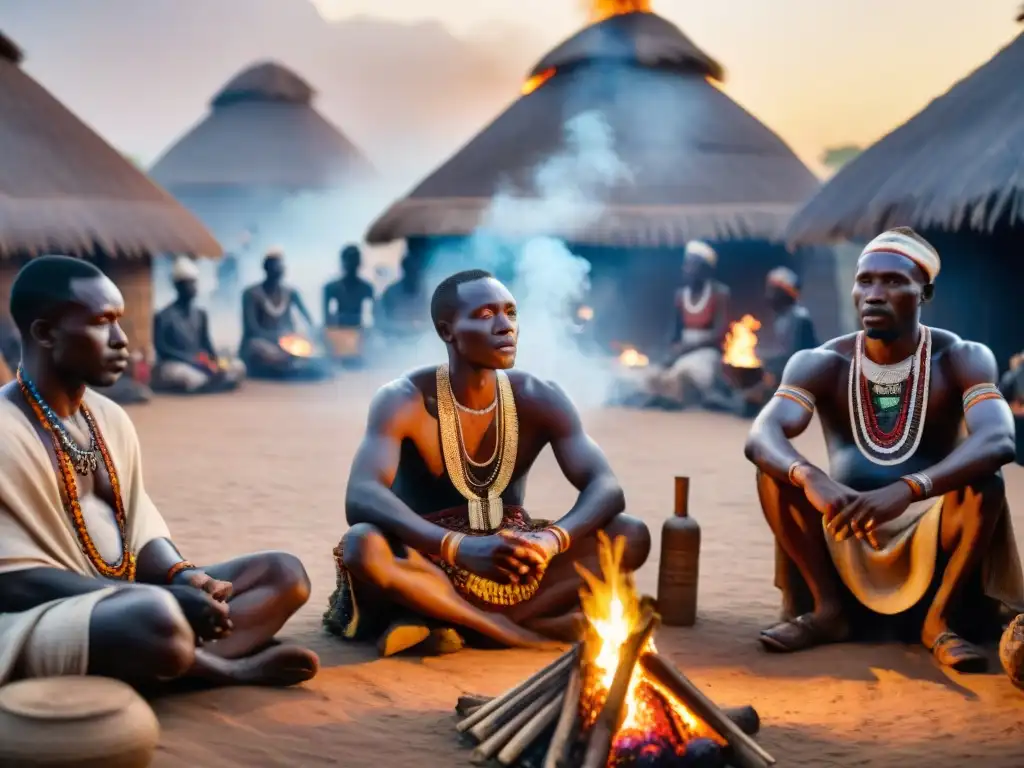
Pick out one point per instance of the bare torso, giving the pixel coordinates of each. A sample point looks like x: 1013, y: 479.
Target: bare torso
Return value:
x: 942, y: 425
x: 422, y: 482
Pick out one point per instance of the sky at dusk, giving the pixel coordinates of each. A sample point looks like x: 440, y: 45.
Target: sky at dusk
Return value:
x: 417, y: 78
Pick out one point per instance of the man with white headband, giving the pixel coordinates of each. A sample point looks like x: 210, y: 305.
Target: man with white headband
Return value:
x: 911, y: 532
x: 186, y: 360
x: 690, y: 372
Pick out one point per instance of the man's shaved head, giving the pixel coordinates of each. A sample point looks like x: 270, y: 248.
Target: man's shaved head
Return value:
x: 445, y: 301
x: 44, y: 286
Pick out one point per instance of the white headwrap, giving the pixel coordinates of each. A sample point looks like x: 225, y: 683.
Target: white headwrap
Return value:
x: 184, y: 269
x: 275, y: 252
x: 701, y: 250
x: 786, y: 279
x: 902, y: 244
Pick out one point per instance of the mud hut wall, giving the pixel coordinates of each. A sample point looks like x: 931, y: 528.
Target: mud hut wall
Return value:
x: 979, y: 292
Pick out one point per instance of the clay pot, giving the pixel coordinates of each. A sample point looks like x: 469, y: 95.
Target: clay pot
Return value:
x: 75, y: 722
x: 1011, y: 651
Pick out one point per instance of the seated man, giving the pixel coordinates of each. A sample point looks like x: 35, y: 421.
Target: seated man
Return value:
x: 90, y: 582
x: 401, y: 313
x: 690, y: 374
x: 792, y: 330
x: 913, y: 521
x: 271, y: 347
x: 439, y: 537
x: 345, y: 301
x: 185, y: 358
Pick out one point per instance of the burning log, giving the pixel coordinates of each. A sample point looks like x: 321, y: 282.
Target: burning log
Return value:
x: 746, y: 753
x: 602, y: 733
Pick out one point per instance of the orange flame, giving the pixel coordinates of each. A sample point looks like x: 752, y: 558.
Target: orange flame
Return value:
x: 613, y: 610
x: 740, y: 349
x: 296, y: 345
x: 537, y: 81
x: 604, y: 9
x: 631, y: 358
x: 585, y: 313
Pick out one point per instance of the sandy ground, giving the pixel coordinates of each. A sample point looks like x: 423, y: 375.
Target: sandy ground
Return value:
x: 266, y: 469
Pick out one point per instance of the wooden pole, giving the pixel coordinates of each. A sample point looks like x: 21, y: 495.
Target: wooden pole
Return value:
x: 599, y: 741
x: 515, y: 747
x: 489, y: 747
x: 568, y: 725
x: 552, y: 681
x: 745, y: 752
x: 486, y: 709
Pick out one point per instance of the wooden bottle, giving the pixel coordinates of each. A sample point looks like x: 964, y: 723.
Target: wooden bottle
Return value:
x: 680, y: 563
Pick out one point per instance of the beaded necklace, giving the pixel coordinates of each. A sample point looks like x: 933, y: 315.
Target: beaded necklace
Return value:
x: 486, y: 510
x: 82, y: 459
x: 124, y: 569
x: 896, y: 445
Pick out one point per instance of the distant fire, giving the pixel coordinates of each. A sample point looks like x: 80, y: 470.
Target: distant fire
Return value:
x: 740, y: 349
x: 605, y: 9
x: 631, y: 358
x: 296, y: 345
x: 585, y: 313
x: 538, y: 80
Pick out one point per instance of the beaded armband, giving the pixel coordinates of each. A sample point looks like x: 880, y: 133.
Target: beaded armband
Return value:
x: 564, y: 539
x: 980, y: 392
x: 801, y: 397
x: 920, y: 484
x: 177, y: 568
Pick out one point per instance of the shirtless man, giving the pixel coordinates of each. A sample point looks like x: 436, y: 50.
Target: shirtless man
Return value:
x: 90, y: 582
x: 438, y: 441
x: 860, y: 539
x: 690, y: 373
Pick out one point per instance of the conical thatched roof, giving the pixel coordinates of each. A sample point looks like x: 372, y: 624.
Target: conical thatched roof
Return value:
x: 63, y: 188
x: 701, y: 166
x: 262, y: 131
x: 957, y: 165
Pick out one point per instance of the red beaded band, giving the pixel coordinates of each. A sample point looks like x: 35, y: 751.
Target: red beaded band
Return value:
x: 177, y: 568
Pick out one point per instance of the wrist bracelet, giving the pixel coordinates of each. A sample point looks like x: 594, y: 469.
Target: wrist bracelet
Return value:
x: 793, y: 468
x: 920, y: 484
x: 562, y: 535
x: 177, y: 568
x: 450, y: 546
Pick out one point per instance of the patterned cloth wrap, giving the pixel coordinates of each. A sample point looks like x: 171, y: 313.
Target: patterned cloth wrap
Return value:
x: 354, y: 619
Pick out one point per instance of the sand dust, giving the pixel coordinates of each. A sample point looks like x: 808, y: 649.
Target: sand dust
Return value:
x: 266, y: 469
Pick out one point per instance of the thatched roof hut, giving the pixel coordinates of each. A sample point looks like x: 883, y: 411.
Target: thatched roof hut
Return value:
x: 64, y: 189
x: 954, y: 172
x: 700, y: 165
x: 262, y: 141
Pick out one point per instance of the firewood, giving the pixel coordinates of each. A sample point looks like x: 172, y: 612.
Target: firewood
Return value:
x: 515, y: 747
x: 568, y: 725
x: 469, y: 703
x: 745, y: 717
x: 559, y: 664
x: 599, y: 741
x: 744, y: 751
x: 552, y: 681
x: 489, y: 747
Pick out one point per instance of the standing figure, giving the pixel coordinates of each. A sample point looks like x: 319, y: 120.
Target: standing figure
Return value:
x: 271, y: 346
x: 691, y: 371
x: 186, y: 360
x: 911, y: 522
x: 403, y: 311
x: 439, y: 538
x: 90, y: 580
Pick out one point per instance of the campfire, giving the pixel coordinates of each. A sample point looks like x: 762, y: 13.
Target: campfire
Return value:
x: 629, y: 357
x: 740, y: 348
x: 612, y: 701
x: 585, y: 314
x: 296, y: 345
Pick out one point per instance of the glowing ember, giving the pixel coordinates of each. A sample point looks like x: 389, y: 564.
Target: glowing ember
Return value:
x: 613, y: 610
x: 630, y: 358
x: 585, y: 313
x: 604, y: 9
x: 537, y: 81
x: 296, y: 345
x: 740, y: 349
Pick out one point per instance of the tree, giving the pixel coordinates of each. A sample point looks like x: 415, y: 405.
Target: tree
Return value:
x: 835, y: 158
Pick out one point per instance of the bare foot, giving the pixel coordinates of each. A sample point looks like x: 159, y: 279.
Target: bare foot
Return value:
x: 567, y: 628
x: 276, y: 666
x: 804, y: 632
x: 508, y: 633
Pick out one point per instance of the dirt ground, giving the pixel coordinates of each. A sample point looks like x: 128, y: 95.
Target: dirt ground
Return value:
x: 266, y: 469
